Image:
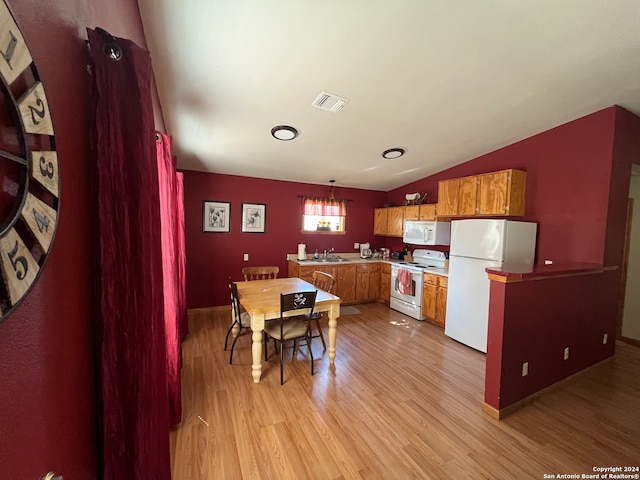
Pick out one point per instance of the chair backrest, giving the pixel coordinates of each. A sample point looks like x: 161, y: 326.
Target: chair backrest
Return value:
x: 323, y: 281
x: 235, y: 302
x: 260, y: 273
x: 302, y: 302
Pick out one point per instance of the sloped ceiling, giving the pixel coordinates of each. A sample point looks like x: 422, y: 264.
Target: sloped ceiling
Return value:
x: 445, y: 80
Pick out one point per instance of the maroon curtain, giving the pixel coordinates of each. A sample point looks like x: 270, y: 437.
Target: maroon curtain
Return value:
x: 130, y: 323
x: 182, y: 258
x: 169, y: 214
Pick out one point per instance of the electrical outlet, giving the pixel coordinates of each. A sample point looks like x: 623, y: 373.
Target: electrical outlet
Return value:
x: 525, y: 369
x: 246, y: 257
x: 548, y: 262
x: 356, y: 245
x: 605, y: 338
x: 566, y: 353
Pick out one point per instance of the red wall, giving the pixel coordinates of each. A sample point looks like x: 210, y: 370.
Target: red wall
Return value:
x: 47, y: 382
x: 568, y: 178
x: 534, y: 321
x: 213, y: 257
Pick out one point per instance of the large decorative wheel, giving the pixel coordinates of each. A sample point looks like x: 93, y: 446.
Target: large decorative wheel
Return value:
x: 29, y: 177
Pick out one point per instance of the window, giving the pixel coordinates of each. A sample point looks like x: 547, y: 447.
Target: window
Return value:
x: 324, y: 215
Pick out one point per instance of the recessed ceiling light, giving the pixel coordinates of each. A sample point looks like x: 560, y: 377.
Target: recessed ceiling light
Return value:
x: 284, y: 132
x: 393, y: 153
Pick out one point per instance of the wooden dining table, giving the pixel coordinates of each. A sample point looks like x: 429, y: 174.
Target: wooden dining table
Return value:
x: 261, y: 300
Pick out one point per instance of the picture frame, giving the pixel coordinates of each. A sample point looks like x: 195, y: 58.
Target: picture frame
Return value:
x: 216, y: 216
x: 254, y: 217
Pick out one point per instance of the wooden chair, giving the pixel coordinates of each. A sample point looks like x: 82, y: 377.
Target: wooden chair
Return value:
x: 241, y: 320
x: 289, y: 327
x: 326, y: 282
x: 260, y: 273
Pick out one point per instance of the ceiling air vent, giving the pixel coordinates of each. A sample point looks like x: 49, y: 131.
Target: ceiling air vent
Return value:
x: 329, y: 102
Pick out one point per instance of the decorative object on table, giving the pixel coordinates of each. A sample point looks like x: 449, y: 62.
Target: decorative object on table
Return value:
x: 415, y: 199
x: 254, y: 217
x: 216, y: 217
x: 30, y: 177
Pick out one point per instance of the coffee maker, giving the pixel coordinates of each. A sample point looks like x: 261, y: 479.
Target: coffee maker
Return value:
x: 365, y: 250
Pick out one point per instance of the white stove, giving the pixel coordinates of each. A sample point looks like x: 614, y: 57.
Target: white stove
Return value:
x: 406, y: 287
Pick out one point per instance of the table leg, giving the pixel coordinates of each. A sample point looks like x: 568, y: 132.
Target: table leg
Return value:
x: 256, y: 351
x: 334, y: 312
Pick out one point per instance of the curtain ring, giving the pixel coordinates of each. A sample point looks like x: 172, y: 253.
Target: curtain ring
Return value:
x: 111, y: 48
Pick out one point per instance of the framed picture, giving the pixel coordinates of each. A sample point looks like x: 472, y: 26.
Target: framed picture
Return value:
x: 254, y: 217
x: 216, y: 217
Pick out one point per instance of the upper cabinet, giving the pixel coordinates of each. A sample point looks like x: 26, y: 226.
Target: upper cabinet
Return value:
x: 448, y: 194
x: 424, y: 212
x: 388, y: 221
x: 489, y: 194
x: 502, y: 193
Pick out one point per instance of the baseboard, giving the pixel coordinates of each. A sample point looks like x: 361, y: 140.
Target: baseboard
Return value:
x: 631, y: 341
x: 502, y: 413
x: 206, y: 310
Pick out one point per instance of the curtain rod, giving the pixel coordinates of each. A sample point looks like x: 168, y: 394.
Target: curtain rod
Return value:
x: 327, y: 198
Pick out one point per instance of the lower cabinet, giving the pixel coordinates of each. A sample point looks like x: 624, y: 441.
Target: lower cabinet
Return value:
x: 354, y: 282
x: 346, y: 283
x: 367, y: 282
x: 385, y: 282
x: 434, y: 298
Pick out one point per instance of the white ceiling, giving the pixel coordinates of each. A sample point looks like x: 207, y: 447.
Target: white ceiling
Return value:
x: 448, y: 80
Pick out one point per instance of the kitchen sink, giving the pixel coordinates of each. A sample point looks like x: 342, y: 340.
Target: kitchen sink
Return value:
x: 330, y: 259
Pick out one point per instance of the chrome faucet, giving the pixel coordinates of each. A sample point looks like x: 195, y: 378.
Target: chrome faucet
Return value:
x: 327, y: 252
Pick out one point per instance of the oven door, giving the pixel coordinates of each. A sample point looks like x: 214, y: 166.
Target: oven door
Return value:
x: 414, y: 295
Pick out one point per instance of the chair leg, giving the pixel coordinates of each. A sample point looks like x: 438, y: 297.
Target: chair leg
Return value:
x: 281, y: 364
x: 226, y: 339
x: 233, y: 346
x: 266, y: 345
x: 310, y: 350
x: 324, y: 345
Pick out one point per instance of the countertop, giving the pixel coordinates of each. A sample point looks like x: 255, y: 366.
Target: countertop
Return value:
x: 354, y: 259
x: 517, y: 272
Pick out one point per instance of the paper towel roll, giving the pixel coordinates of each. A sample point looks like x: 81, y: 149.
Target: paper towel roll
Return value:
x: 302, y: 251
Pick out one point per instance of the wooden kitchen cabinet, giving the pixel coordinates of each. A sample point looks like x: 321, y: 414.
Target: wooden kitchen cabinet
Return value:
x: 293, y: 269
x: 388, y: 221
x: 502, y: 193
x: 306, y: 272
x: 496, y: 193
x: 367, y: 282
x: 385, y: 282
x: 424, y: 212
x: 395, y: 222
x: 354, y: 282
x: 448, y: 195
x: 346, y: 283
x: 468, y: 196
x: 434, y: 298
x: 441, y: 300
x: 380, y: 221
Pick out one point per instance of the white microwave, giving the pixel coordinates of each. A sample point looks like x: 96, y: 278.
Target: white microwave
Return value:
x: 427, y: 233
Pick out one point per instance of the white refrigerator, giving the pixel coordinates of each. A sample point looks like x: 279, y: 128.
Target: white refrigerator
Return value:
x: 475, y: 245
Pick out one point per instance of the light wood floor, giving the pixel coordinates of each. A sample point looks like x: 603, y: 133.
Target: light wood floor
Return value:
x: 403, y: 401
